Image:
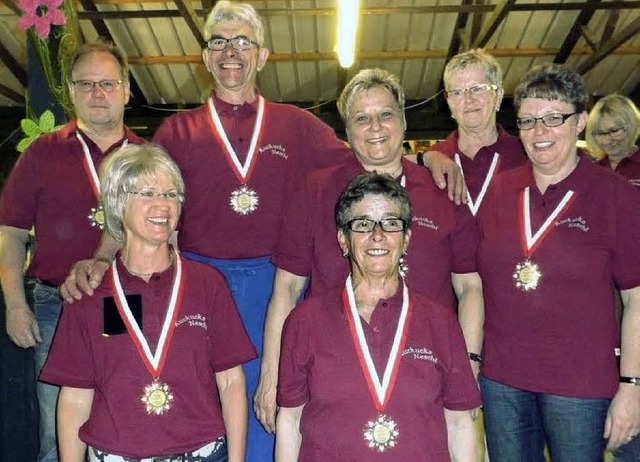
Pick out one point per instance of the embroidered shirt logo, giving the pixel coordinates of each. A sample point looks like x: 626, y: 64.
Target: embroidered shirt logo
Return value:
x: 425, y: 222
x: 577, y: 222
x: 193, y: 320
x: 422, y: 354
x: 276, y: 149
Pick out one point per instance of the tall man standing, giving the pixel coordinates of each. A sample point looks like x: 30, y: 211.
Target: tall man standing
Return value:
x: 53, y: 189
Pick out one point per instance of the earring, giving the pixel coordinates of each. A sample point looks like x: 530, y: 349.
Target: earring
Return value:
x: 345, y: 253
x: 404, y: 268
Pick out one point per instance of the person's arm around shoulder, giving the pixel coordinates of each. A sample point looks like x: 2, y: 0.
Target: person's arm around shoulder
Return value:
x: 468, y: 289
x: 74, y: 406
x: 235, y: 411
x: 288, y: 437
x: 461, y: 436
x: 287, y: 288
x: 445, y: 172
x: 22, y: 326
x: 623, y: 416
x: 86, y: 275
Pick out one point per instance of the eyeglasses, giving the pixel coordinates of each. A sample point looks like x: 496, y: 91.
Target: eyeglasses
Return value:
x: 550, y: 120
x: 107, y: 85
x: 239, y: 42
x: 480, y: 89
x: 616, y: 132
x: 172, y: 196
x: 365, y: 225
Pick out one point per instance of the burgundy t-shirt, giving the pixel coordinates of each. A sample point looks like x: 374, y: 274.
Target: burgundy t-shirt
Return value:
x: 319, y: 368
x: 443, y: 241
x: 508, y: 147
x: 50, y: 188
x: 293, y: 143
x: 559, y: 338
x: 629, y: 167
x: 209, y: 337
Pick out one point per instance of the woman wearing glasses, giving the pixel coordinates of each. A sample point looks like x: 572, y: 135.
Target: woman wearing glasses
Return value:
x: 444, y: 236
x: 557, y: 234
x: 151, y: 364
x: 612, y: 131
x: 480, y: 146
x: 371, y: 370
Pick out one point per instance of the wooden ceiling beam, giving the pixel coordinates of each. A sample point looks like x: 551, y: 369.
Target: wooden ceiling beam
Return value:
x: 497, y: 16
x: 13, y: 65
x: 11, y: 94
x: 382, y: 55
x: 12, y: 6
x: 191, y: 18
x: 611, y: 46
x: 573, y: 35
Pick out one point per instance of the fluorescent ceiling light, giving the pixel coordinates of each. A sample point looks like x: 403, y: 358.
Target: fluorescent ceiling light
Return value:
x: 347, y: 30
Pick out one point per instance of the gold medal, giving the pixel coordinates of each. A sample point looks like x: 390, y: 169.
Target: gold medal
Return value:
x: 96, y: 217
x: 381, y: 434
x: 244, y: 200
x: 527, y: 275
x: 157, y: 397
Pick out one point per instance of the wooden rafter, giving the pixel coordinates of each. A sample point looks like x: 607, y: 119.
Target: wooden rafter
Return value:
x: 11, y: 94
x: 608, y: 48
x: 191, y: 18
x: 13, y: 65
x: 574, y: 34
x: 497, y: 16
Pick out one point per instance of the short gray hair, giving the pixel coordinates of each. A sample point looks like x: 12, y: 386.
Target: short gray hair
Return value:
x: 365, y: 80
x: 225, y: 11
x: 120, y: 172
x: 375, y: 184
x: 553, y: 82
x: 621, y: 110
x: 476, y: 57
x: 99, y: 47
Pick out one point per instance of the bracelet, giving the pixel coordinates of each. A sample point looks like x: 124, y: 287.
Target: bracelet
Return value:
x: 420, y: 158
x: 477, y: 358
x: 632, y: 380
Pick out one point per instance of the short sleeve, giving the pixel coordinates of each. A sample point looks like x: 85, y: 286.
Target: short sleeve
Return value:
x: 70, y: 360
x: 295, y: 361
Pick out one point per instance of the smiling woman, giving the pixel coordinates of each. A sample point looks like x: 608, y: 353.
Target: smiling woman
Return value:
x: 104, y: 341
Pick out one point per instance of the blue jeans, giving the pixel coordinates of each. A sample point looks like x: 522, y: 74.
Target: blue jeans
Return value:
x: 250, y: 281
x: 47, y: 306
x: 518, y: 423
x: 629, y: 452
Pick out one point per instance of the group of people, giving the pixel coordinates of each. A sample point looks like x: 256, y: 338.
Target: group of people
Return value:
x: 181, y: 262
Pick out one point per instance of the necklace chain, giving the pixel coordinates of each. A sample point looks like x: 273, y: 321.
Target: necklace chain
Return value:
x: 153, y: 272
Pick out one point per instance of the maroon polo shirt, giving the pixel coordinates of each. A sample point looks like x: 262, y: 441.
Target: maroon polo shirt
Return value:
x: 319, y: 368
x: 629, y: 167
x: 475, y: 170
x: 560, y: 337
x: 209, y: 337
x: 443, y: 240
x: 293, y: 143
x: 50, y: 189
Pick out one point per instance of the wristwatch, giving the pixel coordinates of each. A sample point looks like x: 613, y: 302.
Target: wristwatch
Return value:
x: 632, y: 380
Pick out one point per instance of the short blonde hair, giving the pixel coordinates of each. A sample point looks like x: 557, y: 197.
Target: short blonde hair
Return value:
x: 476, y: 57
x: 121, y: 171
x: 621, y: 110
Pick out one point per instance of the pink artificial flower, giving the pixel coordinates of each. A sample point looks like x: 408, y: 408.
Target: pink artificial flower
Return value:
x: 41, y: 13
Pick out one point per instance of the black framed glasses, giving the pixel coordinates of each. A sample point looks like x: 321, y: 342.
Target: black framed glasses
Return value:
x: 239, y: 42
x: 172, y: 196
x: 365, y: 225
x: 550, y: 120
x: 615, y: 132
x: 106, y: 85
x: 480, y: 89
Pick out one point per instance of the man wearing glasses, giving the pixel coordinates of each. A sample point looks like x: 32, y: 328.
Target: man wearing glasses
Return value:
x: 53, y: 189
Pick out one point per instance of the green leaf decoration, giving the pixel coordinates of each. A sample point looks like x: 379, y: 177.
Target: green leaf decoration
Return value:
x: 33, y: 129
x: 47, y: 121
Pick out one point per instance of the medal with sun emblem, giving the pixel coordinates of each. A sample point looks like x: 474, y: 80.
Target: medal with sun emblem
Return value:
x: 527, y: 275
x: 244, y: 200
x: 96, y: 217
x: 381, y: 434
x: 157, y: 397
